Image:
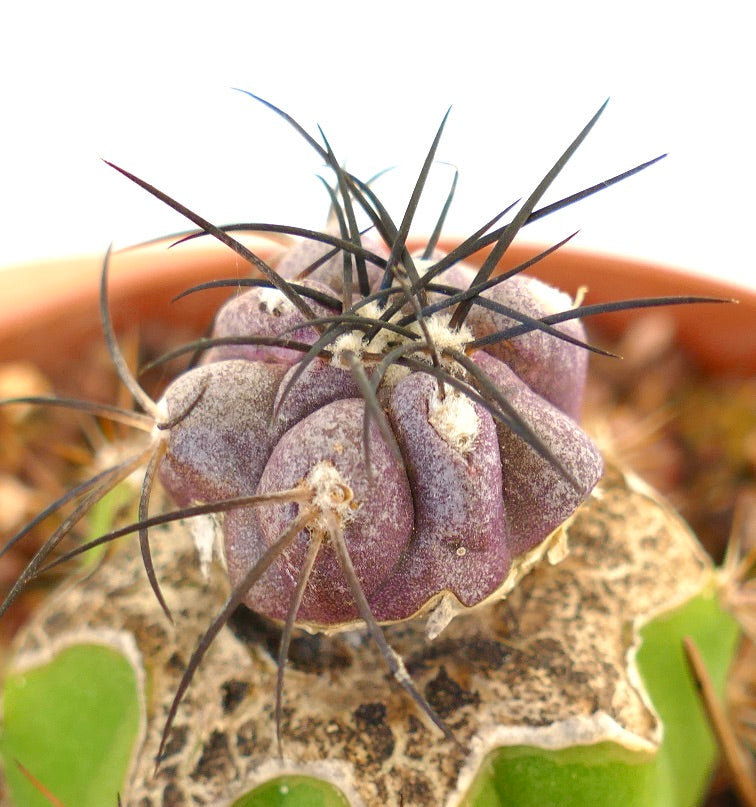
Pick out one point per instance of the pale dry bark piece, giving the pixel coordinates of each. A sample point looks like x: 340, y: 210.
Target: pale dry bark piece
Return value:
x: 552, y: 666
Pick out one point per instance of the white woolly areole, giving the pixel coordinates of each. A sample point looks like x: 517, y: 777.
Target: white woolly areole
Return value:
x: 371, y: 310
x: 207, y: 536
x: 354, y: 341
x: 161, y: 410
x: 580, y: 296
x: 454, y: 418
x: 441, y: 335
x: 385, y: 338
x: 274, y: 301
x: 348, y: 342
x: 161, y: 416
x: 444, y: 337
x: 330, y: 492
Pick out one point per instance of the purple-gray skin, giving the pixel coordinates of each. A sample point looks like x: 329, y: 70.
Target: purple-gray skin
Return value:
x: 219, y: 449
x: 297, y: 261
x: 468, y: 496
x: 378, y: 531
x: 537, y: 497
x: 555, y: 369
x: 460, y: 542
x: 320, y: 383
x: 265, y: 312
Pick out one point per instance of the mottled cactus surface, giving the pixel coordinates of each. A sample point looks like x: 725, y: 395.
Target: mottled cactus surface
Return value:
x: 377, y: 432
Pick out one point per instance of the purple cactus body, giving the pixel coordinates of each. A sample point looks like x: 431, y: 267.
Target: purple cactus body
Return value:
x: 377, y: 527
x: 305, y: 253
x: 459, y: 544
x: 219, y: 448
x: 319, y: 384
x: 553, y: 368
x: 537, y: 497
x: 468, y: 497
x: 265, y: 312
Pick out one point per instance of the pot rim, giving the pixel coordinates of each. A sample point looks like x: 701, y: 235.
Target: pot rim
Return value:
x: 50, y: 307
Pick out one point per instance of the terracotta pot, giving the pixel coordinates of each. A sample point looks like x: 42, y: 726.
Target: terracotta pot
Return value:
x: 50, y: 310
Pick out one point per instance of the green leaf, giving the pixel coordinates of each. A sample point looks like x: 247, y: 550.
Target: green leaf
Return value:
x: 72, y: 723
x: 602, y: 774
x: 104, y: 514
x: 293, y: 791
x: 688, y: 753
x: 606, y: 773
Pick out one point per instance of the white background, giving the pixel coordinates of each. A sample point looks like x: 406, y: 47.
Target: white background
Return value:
x: 149, y: 88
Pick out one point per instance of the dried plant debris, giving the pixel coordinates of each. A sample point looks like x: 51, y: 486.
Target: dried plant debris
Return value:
x: 689, y: 434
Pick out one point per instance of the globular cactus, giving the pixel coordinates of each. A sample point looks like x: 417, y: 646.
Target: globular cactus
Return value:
x: 423, y: 505
x: 382, y: 434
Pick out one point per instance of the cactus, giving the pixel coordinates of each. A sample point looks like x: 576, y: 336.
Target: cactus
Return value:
x: 381, y: 435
